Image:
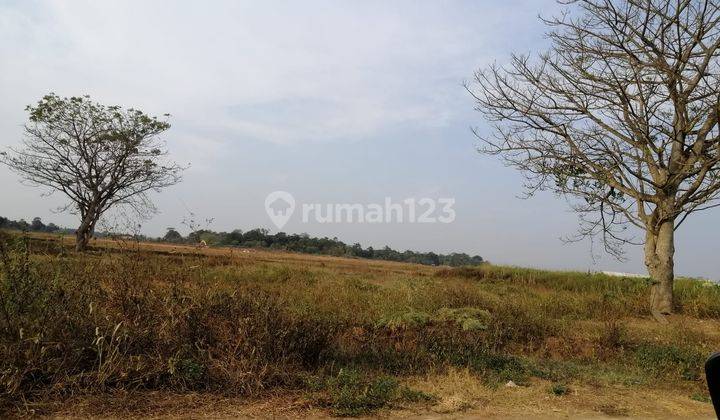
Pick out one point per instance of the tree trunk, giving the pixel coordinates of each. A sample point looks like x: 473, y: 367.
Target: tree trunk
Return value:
x: 84, y: 233
x: 82, y: 238
x: 659, y: 259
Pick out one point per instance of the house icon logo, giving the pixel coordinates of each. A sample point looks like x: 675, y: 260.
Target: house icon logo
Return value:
x: 279, y: 206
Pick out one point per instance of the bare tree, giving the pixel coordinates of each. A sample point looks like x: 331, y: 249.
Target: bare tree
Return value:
x: 98, y: 156
x: 621, y: 112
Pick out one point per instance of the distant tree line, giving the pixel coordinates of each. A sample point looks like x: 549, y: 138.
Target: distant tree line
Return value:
x: 261, y: 238
x: 36, y: 225
x: 304, y: 243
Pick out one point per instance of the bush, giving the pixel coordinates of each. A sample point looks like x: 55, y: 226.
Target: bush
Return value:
x: 469, y: 319
x: 353, y: 394
x: 405, y: 320
x: 520, y: 325
x: 559, y: 389
x: 670, y: 360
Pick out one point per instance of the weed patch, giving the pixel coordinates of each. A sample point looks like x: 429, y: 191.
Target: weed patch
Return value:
x: 353, y: 394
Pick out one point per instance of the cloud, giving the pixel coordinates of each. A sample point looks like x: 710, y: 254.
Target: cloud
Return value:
x: 286, y: 73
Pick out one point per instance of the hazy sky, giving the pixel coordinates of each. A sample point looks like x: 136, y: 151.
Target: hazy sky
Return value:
x: 334, y: 102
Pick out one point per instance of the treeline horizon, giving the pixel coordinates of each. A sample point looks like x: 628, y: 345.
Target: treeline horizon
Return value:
x: 262, y: 239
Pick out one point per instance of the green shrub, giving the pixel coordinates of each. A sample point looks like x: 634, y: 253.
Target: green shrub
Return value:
x: 559, y: 389
x: 670, y: 360
x: 405, y: 320
x: 701, y: 398
x: 413, y: 395
x: 469, y: 319
x: 352, y: 395
x: 502, y: 367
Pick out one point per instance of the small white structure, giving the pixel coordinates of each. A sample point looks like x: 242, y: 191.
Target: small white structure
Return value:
x: 617, y: 274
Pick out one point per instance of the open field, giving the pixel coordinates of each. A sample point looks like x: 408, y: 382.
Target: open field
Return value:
x: 153, y: 329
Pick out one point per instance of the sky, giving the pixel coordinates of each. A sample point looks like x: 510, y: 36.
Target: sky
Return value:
x: 333, y: 102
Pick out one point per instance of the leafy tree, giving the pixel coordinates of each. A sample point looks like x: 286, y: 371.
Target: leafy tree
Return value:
x: 98, y: 156
x: 22, y: 225
x: 37, y: 225
x: 172, y: 235
x: 621, y: 112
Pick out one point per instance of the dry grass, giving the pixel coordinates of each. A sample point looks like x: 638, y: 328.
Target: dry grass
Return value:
x: 172, y: 330
x: 461, y: 392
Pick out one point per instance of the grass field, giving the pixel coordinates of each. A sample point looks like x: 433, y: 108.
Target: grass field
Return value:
x: 151, y: 329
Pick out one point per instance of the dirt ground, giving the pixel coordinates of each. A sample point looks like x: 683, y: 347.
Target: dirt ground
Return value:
x: 460, y: 396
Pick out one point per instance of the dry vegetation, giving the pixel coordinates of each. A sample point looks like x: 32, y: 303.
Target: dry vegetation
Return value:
x: 137, y: 329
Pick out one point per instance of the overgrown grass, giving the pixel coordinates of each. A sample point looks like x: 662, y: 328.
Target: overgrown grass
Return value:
x: 350, y: 393
x: 577, y: 294
x: 139, y: 320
